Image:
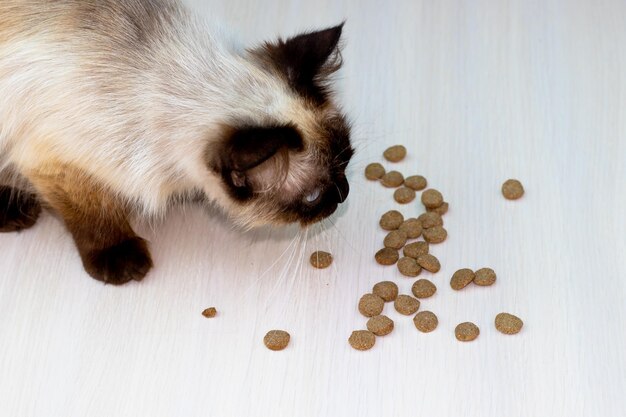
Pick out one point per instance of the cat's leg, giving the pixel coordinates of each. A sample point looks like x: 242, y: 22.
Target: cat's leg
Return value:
x: 19, y: 209
x: 109, y: 248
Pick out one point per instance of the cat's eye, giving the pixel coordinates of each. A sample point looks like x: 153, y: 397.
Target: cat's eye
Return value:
x: 313, y: 196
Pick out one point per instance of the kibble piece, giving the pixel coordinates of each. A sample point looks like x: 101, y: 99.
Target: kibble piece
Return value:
x: 416, y: 249
x: 407, y: 305
x: 461, y: 278
x: 512, y: 189
x: 321, y: 259
x: 380, y: 325
x: 425, y: 321
x: 416, y: 182
x: 429, y: 263
x: 371, y: 305
x: 441, y: 210
x: 362, y: 339
x: 423, y: 288
x: 412, y: 228
x: 466, y: 332
x: 276, y: 339
x: 386, y: 290
x: 430, y: 219
x: 409, y: 267
x: 392, y: 179
x: 387, y: 256
x: 374, y: 171
x: 435, y: 234
x: 432, y: 198
x: 210, y: 312
x: 395, y: 153
x: 404, y: 195
x: 391, y: 220
x: 395, y: 239
x: 485, y: 277
x: 508, y: 323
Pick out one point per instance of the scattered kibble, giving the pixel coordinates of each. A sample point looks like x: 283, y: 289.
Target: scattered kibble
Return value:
x: 395, y: 153
x: 321, y: 259
x: 276, y: 339
x: 374, y: 171
x: 485, y: 277
x: 423, y: 288
x: 371, y: 305
x: 210, y: 312
x: 386, y: 290
x: 409, y: 267
x: 508, y: 323
x: 461, y: 278
x: 412, y: 228
x: 395, y: 239
x: 432, y: 198
x: 387, y: 256
x: 391, y: 220
x: 362, y: 339
x: 404, y: 195
x: 430, y: 219
x: 441, y: 210
x: 429, y: 263
x: 415, y: 249
x: 512, y: 189
x: 435, y: 234
x: 466, y: 332
x: 416, y: 182
x: 392, y: 179
x: 380, y: 325
x: 425, y: 321
x: 407, y: 305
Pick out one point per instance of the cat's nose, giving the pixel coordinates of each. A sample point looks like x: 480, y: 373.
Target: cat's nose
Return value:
x: 343, y: 188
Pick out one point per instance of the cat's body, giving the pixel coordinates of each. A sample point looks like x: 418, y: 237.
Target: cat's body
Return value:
x: 112, y: 108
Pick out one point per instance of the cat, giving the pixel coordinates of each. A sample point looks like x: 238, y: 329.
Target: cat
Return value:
x: 114, y: 109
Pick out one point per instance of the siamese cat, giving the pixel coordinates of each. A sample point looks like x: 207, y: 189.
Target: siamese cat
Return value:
x: 113, y: 109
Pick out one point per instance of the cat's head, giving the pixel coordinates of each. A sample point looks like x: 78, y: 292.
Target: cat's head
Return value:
x: 287, y: 162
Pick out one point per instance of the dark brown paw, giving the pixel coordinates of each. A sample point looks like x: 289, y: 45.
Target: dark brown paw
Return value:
x: 19, y: 210
x: 129, y: 260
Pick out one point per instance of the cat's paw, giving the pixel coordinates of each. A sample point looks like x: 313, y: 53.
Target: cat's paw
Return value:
x: 19, y: 210
x: 126, y: 261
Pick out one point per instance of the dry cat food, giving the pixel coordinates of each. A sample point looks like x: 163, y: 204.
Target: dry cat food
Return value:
x: 412, y: 228
x: 404, y: 195
x: 484, y: 277
x: 362, y: 339
x: 430, y: 219
x: 429, y: 263
x: 386, y: 290
x: 392, y: 179
x: 432, y: 198
x: 321, y: 259
x: 391, y: 220
x: 512, y: 189
x: 423, y: 288
x: 210, y: 312
x: 425, y: 321
x: 407, y: 305
x: 466, y: 332
x: 374, y: 171
x: 415, y: 249
x: 441, y: 210
x: 395, y: 239
x: 387, y: 256
x: 371, y: 305
x: 380, y: 325
x: 276, y: 339
x: 409, y: 267
x: 435, y: 234
x: 508, y: 323
x: 416, y: 182
x: 461, y: 278
x: 395, y: 153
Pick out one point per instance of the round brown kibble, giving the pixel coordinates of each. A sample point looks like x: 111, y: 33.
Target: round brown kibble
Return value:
x: 412, y: 228
x: 395, y: 239
x: 461, y: 278
x: 362, y: 339
x: 429, y: 263
x: 276, y: 339
x: 466, y: 332
x: 371, y: 305
x: 386, y: 290
x: 321, y: 259
x: 210, y: 312
x: 508, y: 323
x: 425, y: 321
x: 374, y: 171
x: 435, y: 234
x: 441, y: 210
x: 416, y: 182
x: 512, y: 189
x: 423, y: 288
x: 432, y: 198
x: 387, y: 256
x: 415, y: 249
x: 485, y: 277
x: 409, y: 267
x: 404, y: 195
x: 407, y: 305
x: 380, y: 325
x: 391, y: 220
x: 430, y: 219
x: 395, y: 153
x: 392, y: 179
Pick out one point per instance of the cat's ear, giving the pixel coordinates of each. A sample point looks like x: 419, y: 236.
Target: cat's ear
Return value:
x: 307, y: 59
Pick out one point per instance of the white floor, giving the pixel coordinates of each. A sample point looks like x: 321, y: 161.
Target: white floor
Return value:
x: 479, y: 91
